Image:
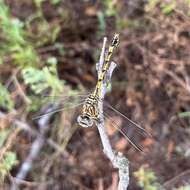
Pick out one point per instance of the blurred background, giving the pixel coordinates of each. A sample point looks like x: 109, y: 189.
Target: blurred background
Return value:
x: 49, y: 49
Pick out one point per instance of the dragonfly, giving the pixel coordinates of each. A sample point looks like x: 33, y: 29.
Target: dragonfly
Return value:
x: 90, y: 112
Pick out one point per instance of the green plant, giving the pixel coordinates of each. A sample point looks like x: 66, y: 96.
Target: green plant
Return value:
x: 166, y: 7
x: 44, y: 79
x: 151, y: 5
x: 14, y: 44
x: 8, y: 159
x: 186, y: 187
x: 7, y: 163
x: 38, y: 3
x: 102, y: 23
x: 5, y: 99
x: 45, y: 33
x: 121, y: 23
x: 110, y: 8
x: 184, y: 114
x: 3, y: 135
x: 147, y: 179
x: 55, y: 2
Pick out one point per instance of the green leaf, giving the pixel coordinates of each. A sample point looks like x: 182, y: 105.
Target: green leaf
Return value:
x: 45, y: 79
x: 55, y: 33
x: 5, y: 99
x: 55, y: 2
x: 16, y: 31
x: 168, y: 8
x: 3, y: 135
x: 52, y: 60
x: 102, y: 22
x: 108, y: 88
x: 1, y: 61
x: 25, y: 56
x: 184, y: 114
x: 60, y: 48
x: 14, y: 42
x: 151, y: 5
x: 8, y: 162
x: 147, y: 179
x: 110, y: 8
x: 38, y: 2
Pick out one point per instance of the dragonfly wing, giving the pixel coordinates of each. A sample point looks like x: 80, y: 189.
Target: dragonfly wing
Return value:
x: 128, y: 121
x: 57, y: 110
x: 129, y: 139
x: 61, y: 99
x: 62, y: 103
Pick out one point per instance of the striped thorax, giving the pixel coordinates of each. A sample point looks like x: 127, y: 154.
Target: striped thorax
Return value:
x: 89, y: 111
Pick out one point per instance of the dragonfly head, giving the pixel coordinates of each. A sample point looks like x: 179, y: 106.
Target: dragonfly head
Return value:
x: 84, y: 121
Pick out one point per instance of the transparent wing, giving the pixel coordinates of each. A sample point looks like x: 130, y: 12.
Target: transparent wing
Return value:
x: 64, y: 98
x: 62, y: 103
x: 57, y: 110
x: 124, y: 133
x: 133, y: 132
x: 128, y: 122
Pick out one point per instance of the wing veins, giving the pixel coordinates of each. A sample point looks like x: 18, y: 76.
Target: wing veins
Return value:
x: 138, y: 147
x: 124, y: 116
x: 57, y: 110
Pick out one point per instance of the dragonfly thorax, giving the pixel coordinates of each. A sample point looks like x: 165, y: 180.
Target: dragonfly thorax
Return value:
x: 89, y: 111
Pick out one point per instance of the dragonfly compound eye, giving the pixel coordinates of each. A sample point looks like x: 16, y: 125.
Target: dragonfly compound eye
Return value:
x: 84, y: 121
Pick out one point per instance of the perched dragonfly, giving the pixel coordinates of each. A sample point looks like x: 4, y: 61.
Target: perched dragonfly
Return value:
x: 90, y: 113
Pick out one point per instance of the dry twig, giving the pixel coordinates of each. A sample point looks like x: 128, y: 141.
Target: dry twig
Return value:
x: 117, y: 159
x: 37, y: 145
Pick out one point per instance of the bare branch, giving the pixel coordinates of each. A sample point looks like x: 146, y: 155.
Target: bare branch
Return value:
x: 36, y: 147
x: 24, y: 126
x: 118, y: 160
